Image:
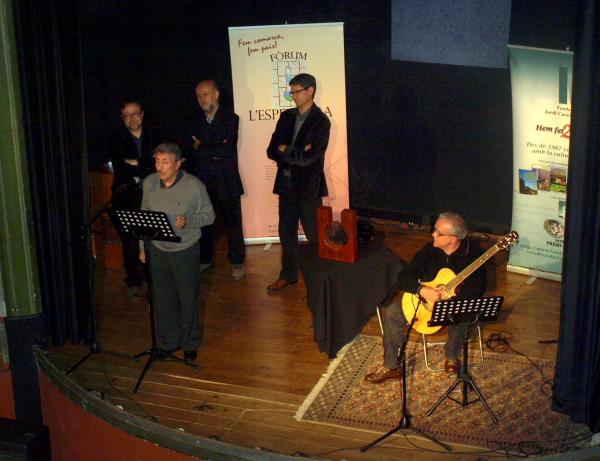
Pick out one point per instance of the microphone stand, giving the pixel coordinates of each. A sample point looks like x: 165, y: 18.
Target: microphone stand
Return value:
x: 94, y: 346
x: 405, y: 415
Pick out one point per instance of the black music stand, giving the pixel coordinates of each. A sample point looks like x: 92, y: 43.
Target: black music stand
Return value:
x: 466, y: 312
x: 148, y: 225
x: 405, y: 415
x: 94, y: 344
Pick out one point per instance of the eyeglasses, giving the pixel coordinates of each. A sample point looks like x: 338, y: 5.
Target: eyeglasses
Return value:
x: 295, y: 92
x: 435, y: 231
x: 128, y: 116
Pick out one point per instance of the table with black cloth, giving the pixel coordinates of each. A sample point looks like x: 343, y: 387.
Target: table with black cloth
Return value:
x: 342, y: 297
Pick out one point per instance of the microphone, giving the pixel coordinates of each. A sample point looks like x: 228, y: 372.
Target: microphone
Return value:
x: 134, y: 181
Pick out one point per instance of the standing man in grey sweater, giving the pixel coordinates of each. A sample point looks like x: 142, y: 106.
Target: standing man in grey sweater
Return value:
x: 175, y: 266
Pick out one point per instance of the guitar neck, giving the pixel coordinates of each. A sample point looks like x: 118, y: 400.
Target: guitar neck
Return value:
x: 467, y: 271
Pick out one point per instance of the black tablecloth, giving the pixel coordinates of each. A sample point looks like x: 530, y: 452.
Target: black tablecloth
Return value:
x: 342, y: 297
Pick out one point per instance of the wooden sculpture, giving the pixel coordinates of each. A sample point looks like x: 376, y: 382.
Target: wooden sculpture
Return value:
x: 330, y: 248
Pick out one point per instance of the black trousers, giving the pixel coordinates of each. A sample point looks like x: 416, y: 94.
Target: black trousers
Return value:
x: 131, y: 261
x: 175, y: 280
x: 230, y: 211
x: 130, y: 199
x: 292, y: 210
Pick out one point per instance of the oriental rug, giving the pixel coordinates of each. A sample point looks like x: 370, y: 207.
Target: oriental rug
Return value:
x: 512, y: 386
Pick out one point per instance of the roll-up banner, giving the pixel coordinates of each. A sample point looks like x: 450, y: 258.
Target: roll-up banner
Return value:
x: 541, y: 98
x: 263, y: 61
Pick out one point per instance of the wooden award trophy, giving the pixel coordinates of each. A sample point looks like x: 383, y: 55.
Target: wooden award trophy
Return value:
x: 330, y: 248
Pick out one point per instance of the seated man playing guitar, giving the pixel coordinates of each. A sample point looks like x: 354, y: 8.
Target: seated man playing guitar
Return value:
x: 429, y: 277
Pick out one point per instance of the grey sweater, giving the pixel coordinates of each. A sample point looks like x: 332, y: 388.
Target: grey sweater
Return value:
x: 186, y: 197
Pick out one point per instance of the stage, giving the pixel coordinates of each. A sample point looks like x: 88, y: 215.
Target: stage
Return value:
x: 259, y: 360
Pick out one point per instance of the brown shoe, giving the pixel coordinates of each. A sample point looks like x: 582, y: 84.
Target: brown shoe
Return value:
x: 279, y: 284
x: 382, y: 374
x: 451, y: 366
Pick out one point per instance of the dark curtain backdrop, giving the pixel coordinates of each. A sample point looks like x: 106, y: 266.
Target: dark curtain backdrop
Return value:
x: 577, y: 379
x: 387, y: 117
x: 443, y: 134
x: 50, y: 74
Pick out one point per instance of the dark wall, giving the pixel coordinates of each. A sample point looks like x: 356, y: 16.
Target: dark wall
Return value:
x: 422, y: 138
x: 157, y: 50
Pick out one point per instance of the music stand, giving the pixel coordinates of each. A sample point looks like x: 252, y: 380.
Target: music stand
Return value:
x: 148, y: 225
x: 94, y: 345
x: 466, y: 312
x: 405, y: 415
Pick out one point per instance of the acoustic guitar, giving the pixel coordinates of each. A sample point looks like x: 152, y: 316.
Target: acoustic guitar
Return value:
x: 448, y: 281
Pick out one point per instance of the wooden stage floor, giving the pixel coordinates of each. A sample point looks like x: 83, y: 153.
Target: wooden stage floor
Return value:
x: 259, y: 361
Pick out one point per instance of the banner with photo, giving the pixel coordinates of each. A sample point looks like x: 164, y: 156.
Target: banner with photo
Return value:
x: 263, y: 61
x: 541, y: 98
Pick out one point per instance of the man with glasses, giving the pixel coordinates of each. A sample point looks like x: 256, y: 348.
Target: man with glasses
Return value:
x: 130, y: 151
x: 298, y: 147
x: 449, y: 249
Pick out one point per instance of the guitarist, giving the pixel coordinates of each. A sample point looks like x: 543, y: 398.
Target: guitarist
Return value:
x: 449, y: 249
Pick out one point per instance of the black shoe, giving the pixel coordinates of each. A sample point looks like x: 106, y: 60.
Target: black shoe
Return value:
x: 190, y: 355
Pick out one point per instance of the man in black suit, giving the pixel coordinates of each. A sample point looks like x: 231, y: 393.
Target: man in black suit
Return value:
x: 210, y: 145
x: 131, y: 153
x: 298, y: 146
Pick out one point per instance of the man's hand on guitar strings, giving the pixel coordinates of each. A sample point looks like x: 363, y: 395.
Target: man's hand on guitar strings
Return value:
x: 431, y: 295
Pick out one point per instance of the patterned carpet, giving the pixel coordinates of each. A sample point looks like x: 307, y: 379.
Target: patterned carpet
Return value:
x: 510, y: 384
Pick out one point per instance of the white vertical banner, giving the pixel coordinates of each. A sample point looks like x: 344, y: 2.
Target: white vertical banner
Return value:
x: 541, y: 96
x: 263, y: 61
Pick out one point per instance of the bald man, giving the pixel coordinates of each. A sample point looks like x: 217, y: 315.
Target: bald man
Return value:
x: 210, y: 146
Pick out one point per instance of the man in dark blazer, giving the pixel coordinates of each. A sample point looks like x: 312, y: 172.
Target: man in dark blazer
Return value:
x: 130, y: 149
x: 298, y: 146
x: 210, y: 145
